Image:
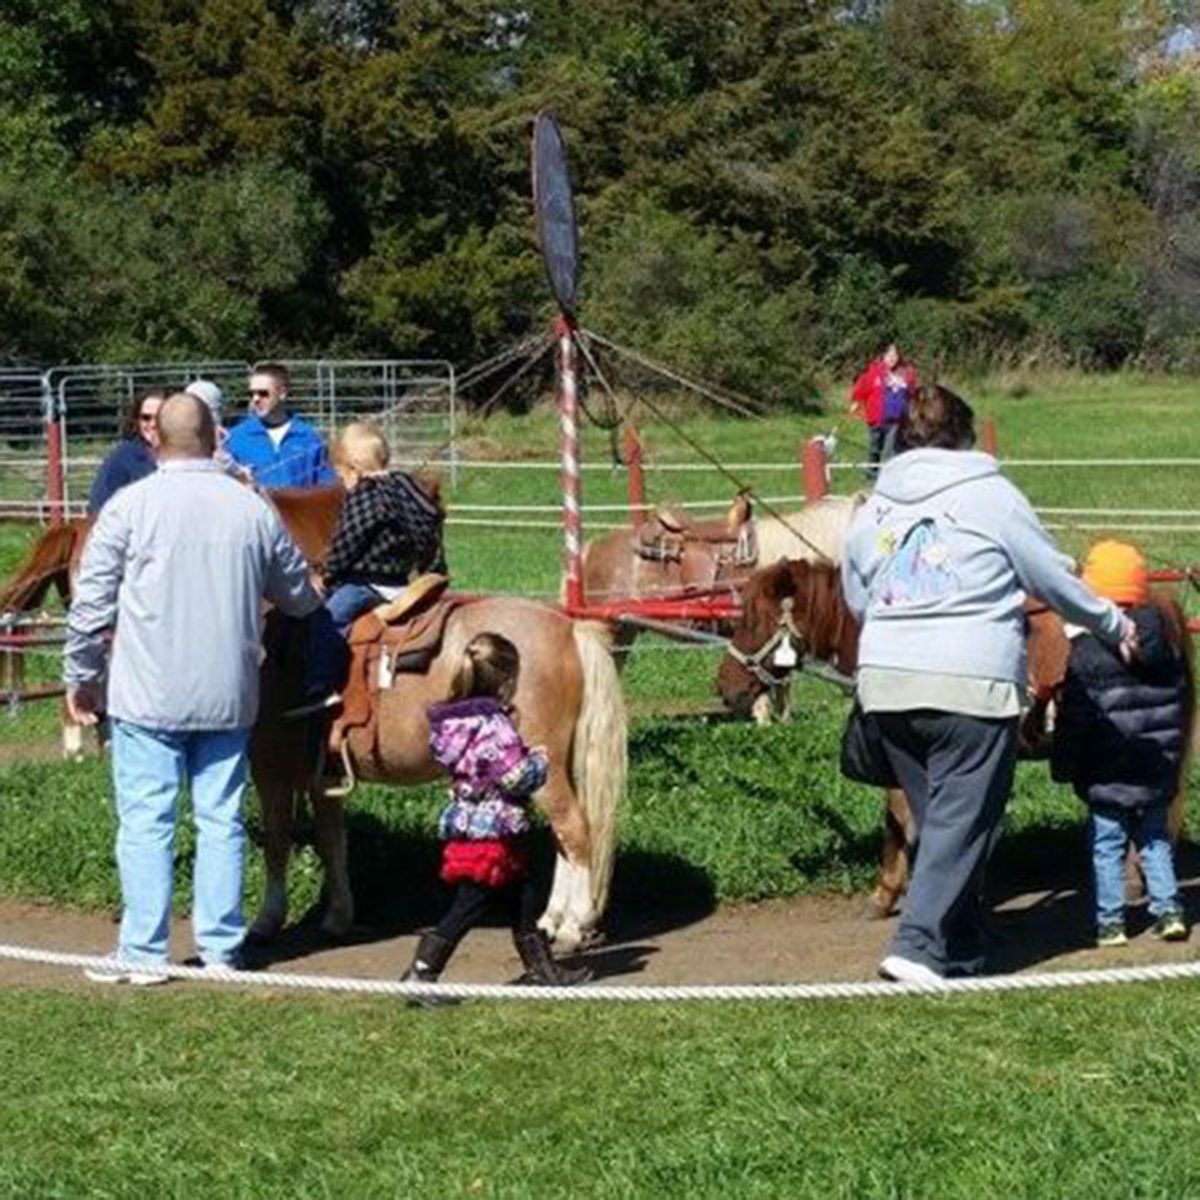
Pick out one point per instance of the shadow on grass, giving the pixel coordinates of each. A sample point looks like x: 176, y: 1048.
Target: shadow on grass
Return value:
x: 1040, y: 899
x: 397, y: 892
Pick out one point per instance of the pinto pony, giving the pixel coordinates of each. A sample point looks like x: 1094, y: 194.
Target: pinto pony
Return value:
x: 801, y: 604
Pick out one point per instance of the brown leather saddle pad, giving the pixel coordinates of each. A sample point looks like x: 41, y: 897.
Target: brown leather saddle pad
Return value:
x: 402, y: 636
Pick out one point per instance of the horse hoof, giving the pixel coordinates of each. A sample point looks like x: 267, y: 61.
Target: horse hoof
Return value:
x: 568, y: 938
x: 337, y: 927
x: 881, y: 906
x: 265, y: 929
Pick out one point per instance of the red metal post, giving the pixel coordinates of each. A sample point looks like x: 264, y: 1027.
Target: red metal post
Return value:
x: 991, y: 436
x: 813, y: 469
x: 637, y: 480
x: 55, y: 489
x: 568, y: 445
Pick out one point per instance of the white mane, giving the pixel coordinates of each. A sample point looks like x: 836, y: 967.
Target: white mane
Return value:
x: 822, y: 526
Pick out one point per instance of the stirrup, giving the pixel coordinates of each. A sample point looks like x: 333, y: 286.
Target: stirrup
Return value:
x: 337, y: 791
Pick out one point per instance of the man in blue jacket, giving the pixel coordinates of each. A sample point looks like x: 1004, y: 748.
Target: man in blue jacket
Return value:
x: 278, y: 447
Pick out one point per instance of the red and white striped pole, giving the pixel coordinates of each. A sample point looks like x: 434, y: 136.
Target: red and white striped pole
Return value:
x: 568, y: 446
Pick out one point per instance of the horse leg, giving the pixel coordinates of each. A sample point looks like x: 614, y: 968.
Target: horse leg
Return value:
x: 275, y: 813
x: 329, y: 816
x: 570, y: 915
x: 899, y: 835
x: 762, y: 709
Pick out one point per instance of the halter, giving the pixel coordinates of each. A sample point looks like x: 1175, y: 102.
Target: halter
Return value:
x: 785, y: 630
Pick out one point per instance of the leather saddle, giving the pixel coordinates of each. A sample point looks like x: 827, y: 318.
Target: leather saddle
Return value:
x: 401, y: 636
x: 666, y: 535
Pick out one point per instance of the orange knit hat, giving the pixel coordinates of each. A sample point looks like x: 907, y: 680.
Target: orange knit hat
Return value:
x: 1118, y: 571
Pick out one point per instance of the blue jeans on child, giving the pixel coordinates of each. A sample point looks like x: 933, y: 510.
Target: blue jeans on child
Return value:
x: 349, y: 601
x: 325, y: 653
x: 150, y: 767
x: 1110, y: 830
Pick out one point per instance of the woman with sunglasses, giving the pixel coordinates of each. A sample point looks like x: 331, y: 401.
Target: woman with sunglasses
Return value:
x: 134, y: 457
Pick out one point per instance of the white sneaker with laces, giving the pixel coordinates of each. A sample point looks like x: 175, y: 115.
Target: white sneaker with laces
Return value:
x: 135, y: 977
x: 905, y: 970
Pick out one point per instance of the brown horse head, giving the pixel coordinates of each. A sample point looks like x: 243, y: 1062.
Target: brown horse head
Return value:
x: 794, y: 602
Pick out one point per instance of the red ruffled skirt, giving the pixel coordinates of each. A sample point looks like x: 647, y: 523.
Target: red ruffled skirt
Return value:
x: 492, y: 862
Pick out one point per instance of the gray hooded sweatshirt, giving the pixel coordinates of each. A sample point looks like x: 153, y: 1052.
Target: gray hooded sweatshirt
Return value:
x: 940, y: 561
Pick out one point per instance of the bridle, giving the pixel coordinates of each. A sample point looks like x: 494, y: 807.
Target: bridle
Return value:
x: 785, y: 633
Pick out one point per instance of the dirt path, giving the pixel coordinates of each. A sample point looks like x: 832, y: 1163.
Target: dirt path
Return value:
x: 805, y: 940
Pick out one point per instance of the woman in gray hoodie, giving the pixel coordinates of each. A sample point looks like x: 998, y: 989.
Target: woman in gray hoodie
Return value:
x: 937, y: 568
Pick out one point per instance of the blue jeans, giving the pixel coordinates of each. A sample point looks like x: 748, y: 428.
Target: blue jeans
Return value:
x: 326, y: 658
x: 149, y: 768
x: 1110, y: 831
x: 881, y: 445
x: 348, y: 602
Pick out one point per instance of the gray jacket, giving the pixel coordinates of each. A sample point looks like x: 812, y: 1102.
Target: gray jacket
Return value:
x: 179, y: 564
x: 939, y: 562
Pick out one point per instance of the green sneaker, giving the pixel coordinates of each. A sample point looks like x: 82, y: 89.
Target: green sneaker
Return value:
x: 1111, y: 935
x: 1170, y: 927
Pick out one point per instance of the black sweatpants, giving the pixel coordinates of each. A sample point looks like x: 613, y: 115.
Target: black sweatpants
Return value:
x: 957, y: 772
x: 472, y: 902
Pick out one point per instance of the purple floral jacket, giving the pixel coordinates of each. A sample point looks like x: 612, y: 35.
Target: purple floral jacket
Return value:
x: 492, y: 772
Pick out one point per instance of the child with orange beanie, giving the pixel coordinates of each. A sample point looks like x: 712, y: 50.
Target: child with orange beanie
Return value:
x: 1120, y: 741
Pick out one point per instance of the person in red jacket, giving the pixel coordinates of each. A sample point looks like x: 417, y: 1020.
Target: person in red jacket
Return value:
x: 880, y: 396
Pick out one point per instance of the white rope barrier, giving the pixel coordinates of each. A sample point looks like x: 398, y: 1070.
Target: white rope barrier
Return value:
x: 621, y: 993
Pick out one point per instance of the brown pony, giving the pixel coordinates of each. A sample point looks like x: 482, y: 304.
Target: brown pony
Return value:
x: 48, y: 564
x: 800, y: 605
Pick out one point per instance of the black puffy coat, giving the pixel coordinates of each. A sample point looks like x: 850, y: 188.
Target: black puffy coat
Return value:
x: 1121, y: 730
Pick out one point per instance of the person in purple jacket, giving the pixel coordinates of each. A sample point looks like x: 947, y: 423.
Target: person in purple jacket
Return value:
x: 485, y: 824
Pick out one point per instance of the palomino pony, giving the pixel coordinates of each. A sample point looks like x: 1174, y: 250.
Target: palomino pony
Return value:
x: 625, y: 564
x: 801, y: 605
x: 569, y: 701
x: 617, y: 567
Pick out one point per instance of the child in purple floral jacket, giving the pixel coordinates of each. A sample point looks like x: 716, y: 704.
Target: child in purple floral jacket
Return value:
x: 485, y: 824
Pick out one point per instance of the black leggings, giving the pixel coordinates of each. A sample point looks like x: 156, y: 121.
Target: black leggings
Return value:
x: 472, y: 902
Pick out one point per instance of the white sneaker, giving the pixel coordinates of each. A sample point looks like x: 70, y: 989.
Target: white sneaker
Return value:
x: 146, y: 977
x: 904, y: 970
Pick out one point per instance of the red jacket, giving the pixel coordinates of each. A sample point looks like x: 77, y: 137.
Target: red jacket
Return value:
x: 867, y: 393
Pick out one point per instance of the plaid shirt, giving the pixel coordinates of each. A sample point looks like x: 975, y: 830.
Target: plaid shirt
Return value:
x: 389, y: 526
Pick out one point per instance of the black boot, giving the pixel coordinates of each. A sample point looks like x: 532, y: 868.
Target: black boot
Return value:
x: 429, y: 961
x: 540, y: 965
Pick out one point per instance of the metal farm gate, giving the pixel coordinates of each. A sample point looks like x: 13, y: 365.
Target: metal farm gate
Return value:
x: 22, y: 444
x: 56, y: 427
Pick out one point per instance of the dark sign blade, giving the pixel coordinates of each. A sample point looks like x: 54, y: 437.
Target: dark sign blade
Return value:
x: 554, y: 203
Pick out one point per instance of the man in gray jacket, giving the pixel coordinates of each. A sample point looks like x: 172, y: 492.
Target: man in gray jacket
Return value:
x: 177, y: 567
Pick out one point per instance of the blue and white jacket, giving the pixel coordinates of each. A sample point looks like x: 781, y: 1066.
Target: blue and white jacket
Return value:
x: 300, y: 460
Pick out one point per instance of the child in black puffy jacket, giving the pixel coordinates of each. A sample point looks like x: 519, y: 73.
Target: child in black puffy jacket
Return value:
x: 1121, y: 738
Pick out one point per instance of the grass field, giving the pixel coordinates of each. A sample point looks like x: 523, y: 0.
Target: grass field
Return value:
x: 183, y: 1093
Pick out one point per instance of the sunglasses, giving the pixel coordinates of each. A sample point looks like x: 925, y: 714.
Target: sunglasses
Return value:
x: 147, y: 418
x: 254, y: 393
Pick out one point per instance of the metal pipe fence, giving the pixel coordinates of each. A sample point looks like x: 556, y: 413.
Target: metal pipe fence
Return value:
x: 57, y: 425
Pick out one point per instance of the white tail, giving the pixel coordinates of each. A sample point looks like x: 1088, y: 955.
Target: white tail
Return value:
x: 600, y: 754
